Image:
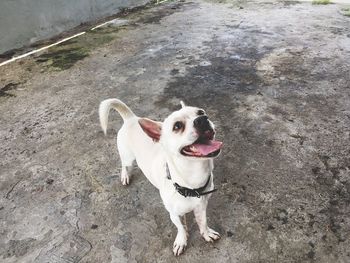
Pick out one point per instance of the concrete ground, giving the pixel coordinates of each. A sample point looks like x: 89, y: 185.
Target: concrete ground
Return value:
x: 274, y: 76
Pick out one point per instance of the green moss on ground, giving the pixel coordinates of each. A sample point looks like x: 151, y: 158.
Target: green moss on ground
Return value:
x: 346, y: 11
x: 321, y: 2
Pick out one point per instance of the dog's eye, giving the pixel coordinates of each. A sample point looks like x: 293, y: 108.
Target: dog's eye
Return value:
x: 178, y: 126
x: 200, y: 112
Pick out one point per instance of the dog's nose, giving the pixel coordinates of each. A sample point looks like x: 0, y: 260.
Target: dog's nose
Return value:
x: 202, y: 123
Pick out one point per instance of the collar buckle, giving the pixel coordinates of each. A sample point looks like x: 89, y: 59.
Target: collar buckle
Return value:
x: 198, y: 195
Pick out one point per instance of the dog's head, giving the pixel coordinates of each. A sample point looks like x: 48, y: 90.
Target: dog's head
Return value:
x: 187, y: 132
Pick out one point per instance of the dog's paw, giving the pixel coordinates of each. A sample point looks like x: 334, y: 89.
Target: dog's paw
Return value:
x: 179, y: 244
x: 210, y: 235
x: 125, y: 179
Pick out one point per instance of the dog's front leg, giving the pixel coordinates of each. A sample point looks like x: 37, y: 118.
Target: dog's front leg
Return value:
x: 200, y: 213
x: 181, y: 237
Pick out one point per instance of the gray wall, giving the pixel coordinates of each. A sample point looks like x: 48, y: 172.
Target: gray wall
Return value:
x: 23, y: 22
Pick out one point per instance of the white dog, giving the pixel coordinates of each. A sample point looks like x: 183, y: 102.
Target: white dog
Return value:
x: 176, y: 156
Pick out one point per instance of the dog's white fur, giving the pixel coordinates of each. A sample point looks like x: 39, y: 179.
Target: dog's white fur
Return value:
x: 152, y: 155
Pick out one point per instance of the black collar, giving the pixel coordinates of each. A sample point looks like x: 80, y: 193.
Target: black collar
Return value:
x: 198, y: 192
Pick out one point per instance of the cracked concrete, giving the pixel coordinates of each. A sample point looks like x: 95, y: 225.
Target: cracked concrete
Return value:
x: 273, y: 75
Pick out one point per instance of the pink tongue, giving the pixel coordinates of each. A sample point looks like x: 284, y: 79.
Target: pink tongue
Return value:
x: 211, y: 146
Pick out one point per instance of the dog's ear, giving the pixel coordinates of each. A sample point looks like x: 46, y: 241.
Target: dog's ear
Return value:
x: 151, y: 128
x: 183, y: 105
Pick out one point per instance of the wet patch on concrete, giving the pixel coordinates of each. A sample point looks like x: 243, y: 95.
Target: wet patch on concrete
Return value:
x: 241, y: 4
x: 66, y: 54
x: 8, y: 55
x: 64, y: 58
x: 4, y: 91
x: 212, y: 83
x: 156, y: 17
x: 18, y: 248
x: 214, y: 79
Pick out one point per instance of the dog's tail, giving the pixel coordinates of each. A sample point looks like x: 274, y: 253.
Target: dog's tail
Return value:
x: 116, y: 104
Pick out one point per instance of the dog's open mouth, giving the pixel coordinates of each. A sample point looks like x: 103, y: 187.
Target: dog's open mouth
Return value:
x: 202, y: 148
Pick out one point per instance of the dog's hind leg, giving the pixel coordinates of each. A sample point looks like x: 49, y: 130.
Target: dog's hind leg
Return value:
x: 126, y: 156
